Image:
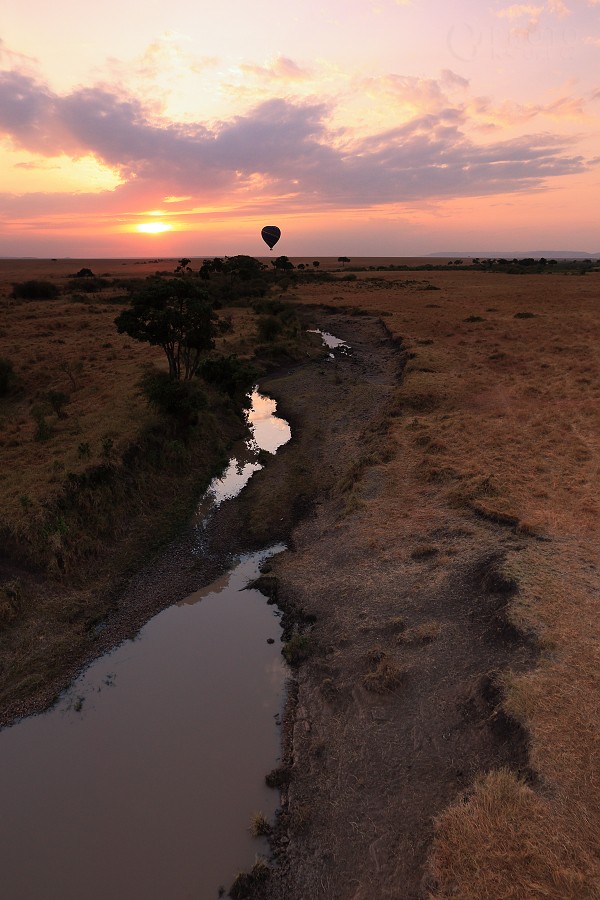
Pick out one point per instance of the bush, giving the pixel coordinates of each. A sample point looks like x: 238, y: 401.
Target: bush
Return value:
x: 34, y: 290
x: 58, y: 400
x: 6, y: 376
x: 229, y: 374
x: 297, y: 649
x: 89, y: 284
x: 269, y: 328
x: 43, y: 431
x: 180, y: 400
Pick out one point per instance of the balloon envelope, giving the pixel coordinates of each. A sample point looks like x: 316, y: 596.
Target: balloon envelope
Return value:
x: 270, y: 235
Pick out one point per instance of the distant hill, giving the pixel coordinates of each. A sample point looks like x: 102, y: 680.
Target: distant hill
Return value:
x: 522, y: 254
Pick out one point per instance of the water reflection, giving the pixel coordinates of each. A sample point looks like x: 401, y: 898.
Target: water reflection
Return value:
x: 142, y: 781
x: 331, y: 341
x: 269, y: 432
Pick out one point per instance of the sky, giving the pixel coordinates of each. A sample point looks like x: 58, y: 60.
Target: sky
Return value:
x: 359, y: 127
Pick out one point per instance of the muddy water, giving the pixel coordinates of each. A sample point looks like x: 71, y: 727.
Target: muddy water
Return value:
x: 142, y: 781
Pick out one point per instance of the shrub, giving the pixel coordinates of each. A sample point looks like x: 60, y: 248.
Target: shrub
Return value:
x: 269, y: 328
x: 229, y: 374
x: 10, y: 602
x: 297, y: 649
x: 180, y: 400
x: 259, y: 825
x: 43, y: 431
x: 107, y: 447
x: 248, y: 884
x: 279, y: 778
x: 6, y: 376
x: 58, y: 400
x: 385, y: 677
x: 34, y: 290
x: 89, y: 284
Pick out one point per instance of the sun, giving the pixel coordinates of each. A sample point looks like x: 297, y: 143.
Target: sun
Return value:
x: 154, y: 227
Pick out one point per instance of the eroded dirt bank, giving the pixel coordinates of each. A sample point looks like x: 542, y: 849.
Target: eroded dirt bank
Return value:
x: 397, y: 707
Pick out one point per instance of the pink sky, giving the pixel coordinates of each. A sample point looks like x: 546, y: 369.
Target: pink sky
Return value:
x: 390, y: 127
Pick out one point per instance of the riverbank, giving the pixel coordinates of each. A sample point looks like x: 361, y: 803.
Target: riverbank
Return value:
x: 395, y: 707
x: 95, y: 481
x: 443, y: 737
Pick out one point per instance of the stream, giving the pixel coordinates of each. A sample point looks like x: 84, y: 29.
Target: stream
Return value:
x: 141, y: 782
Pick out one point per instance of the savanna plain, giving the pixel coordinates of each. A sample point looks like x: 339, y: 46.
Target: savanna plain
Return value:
x: 441, y: 589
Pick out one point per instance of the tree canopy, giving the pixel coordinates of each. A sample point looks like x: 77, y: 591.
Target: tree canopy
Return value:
x: 177, y: 315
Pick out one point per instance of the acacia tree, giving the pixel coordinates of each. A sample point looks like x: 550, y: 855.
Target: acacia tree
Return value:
x: 177, y: 315
x: 282, y: 264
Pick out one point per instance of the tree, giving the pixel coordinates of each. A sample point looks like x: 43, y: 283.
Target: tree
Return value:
x: 343, y: 259
x: 316, y: 263
x: 243, y: 267
x: 177, y: 315
x: 183, y: 265
x: 282, y: 263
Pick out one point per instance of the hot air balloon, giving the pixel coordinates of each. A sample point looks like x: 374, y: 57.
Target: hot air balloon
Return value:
x: 270, y: 235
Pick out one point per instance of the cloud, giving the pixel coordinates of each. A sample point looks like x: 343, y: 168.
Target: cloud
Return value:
x: 416, y: 95
x: 281, y: 69
x: 532, y: 13
x: 280, y: 148
x: 558, y: 8
x: 513, y: 113
x: 12, y: 58
x: 452, y: 80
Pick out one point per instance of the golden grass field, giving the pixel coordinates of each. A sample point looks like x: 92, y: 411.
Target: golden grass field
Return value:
x: 498, y: 421
x: 70, y: 345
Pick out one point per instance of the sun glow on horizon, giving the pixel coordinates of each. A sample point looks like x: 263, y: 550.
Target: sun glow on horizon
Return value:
x: 154, y: 227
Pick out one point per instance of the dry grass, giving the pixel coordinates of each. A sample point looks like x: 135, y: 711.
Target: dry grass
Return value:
x: 73, y: 348
x: 424, y: 633
x: 259, y: 825
x: 385, y: 677
x: 503, y: 843
x: 497, y: 429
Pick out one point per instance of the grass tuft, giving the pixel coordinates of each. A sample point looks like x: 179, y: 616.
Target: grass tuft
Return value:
x: 259, y: 825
